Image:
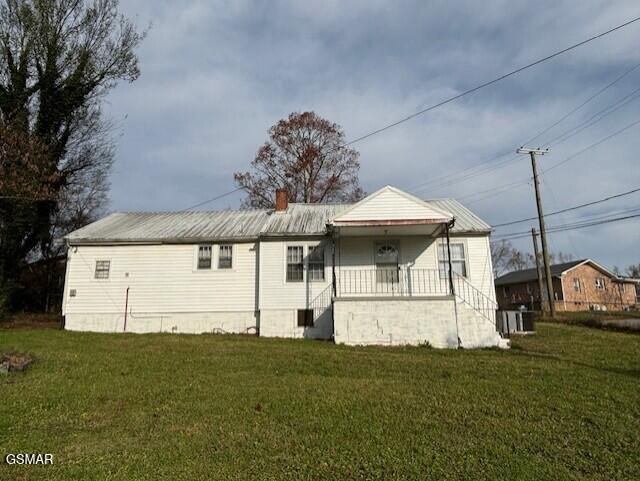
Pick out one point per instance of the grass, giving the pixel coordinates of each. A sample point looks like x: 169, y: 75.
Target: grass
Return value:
x: 563, y: 404
x: 628, y: 321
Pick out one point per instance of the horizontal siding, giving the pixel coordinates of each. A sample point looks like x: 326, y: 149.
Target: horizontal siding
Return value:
x: 419, y: 252
x: 390, y: 205
x: 275, y: 292
x: 161, y: 278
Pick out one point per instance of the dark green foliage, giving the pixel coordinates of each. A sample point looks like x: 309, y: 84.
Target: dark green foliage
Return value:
x: 57, y: 60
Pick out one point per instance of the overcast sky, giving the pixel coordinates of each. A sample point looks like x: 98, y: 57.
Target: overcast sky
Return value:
x: 216, y: 75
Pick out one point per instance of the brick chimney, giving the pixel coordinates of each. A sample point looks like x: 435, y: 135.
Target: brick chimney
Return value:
x: 282, y: 200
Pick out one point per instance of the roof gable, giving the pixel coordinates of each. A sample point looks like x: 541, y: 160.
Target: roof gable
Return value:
x: 391, y: 204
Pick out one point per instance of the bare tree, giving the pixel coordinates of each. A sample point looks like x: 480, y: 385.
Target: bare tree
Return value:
x: 306, y: 155
x: 58, y: 58
x: 633, y: 270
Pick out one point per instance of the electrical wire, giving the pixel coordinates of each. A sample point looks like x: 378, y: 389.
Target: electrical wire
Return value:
x: 488, y: 83
x: 569, y: 209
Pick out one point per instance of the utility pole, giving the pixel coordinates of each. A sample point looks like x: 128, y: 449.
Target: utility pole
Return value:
x: 534, y: 235
x: 543, y: 231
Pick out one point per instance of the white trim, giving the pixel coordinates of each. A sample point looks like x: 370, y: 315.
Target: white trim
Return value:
x: 388, y: 188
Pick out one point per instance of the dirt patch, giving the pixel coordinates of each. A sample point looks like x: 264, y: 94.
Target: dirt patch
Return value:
x: 31, y: 321
x: 14, y: 362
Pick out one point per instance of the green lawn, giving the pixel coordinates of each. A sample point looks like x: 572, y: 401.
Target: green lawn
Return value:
x: 564, y: 404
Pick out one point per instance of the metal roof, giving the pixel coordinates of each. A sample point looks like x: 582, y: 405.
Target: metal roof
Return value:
x: 173, y: 226
x: 466, y: 221
x: 303, y: 219
x: 298, y: 219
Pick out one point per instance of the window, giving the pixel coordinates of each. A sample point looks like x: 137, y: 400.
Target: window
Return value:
x: 204, y: 257
x: 600, y: 285
x: 458, y: 259
x: 305, y: 317
x: 316, y: 263
x: 528, y: 288
x: 295, y: 263
x: 506, y: 292
x: 576, y: 284
x: 621, y: 287
x: 102, y: 269
x: 387, y: 262
x: 225, y: 257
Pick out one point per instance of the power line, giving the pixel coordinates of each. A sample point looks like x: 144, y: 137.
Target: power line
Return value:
x: 478, y: 169
x: 210, y: 200
x: 490, y: 82
x: 576, y: 207
x: 571, y: 112
x: 610, y: 136
x: 598, y: 116
x: 577, y: 225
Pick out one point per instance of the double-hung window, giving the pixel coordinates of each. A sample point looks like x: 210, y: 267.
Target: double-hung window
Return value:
x: 600, y: 284
x: 102, y: 269
x: 225, y: 257
x: 295, y: 263
x: 458, y: 259
x: 205, y: 253
x: 576, y: 284
x: 315, y: 261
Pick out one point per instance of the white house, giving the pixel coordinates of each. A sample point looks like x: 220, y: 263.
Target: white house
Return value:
x: 390, y: 269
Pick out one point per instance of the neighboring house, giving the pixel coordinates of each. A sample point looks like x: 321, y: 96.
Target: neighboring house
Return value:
x: 577, y: 286
x: 375, y: 272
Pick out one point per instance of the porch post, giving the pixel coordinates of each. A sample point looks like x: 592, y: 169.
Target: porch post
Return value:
x: 451, y: 286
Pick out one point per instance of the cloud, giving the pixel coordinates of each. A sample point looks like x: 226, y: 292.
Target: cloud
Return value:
x: 216, y: 75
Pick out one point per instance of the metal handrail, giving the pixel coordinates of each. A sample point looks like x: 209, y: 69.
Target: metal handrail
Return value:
x: 475, y: 298
x: 322, y: 302
x: 406, y: 282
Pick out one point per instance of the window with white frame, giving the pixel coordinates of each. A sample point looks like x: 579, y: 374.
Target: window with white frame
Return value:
x: 600, y: 283
x: 295, y: 263
x: 576, y: 284
x: 102, y: 269
x: 458, y: 259
x: 315, y: 261
x: 205, y: 253
x: 225, y: 257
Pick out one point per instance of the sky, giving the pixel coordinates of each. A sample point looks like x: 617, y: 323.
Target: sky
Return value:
x: 216, y: 75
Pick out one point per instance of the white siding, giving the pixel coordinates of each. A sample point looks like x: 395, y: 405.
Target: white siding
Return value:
x: 420, y: 252
x: 390, y: 204
x: 275, y: 291
x: 162, y: 279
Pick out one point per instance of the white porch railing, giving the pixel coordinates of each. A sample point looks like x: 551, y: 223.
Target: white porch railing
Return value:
x: 412, y: 283
x: 390, y: 282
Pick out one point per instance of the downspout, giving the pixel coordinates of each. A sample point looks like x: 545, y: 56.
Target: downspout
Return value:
x: 447, y: 227
x: 126, y: 306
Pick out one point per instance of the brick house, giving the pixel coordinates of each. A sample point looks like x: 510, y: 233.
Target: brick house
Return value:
x: 577, y: 286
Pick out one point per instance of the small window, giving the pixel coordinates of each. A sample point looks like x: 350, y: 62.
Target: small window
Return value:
x: 102, y: 269
x: 576, y: 284
x: 204, y: 257
x: 295, y: 265
x: 506, y: 291
x: 305, y: 317
x: 316, y: 263
x: 458, y: 259
x: 600, y: 284
x: 225, y: 259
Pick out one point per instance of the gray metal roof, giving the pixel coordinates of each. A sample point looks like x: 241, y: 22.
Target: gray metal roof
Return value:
x: 466, y: 221
x: 298, y: 219
x: 173, y: 226
x: 303, y: 219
